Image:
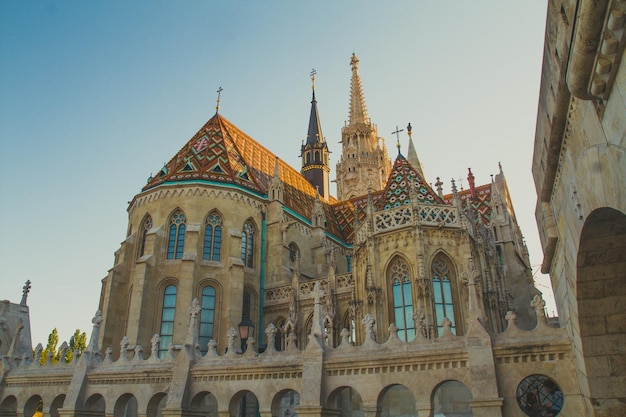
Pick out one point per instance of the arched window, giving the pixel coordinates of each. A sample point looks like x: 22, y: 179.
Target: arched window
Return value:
x: 147, y: 225
x: 176, y: 239
x: 207, y: 318
x: 212, y: 237
x: 402, y: 299
x: 442, y: 293
x: 167, y: 319
x: 247, y: 244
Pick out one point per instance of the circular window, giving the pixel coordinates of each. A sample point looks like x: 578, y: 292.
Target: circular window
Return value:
x: 539, y: 396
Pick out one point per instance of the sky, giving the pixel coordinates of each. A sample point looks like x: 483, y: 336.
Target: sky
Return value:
x: 96, y: 96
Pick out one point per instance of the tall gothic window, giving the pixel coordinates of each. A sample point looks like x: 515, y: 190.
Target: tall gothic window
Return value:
x: 442, y: 293
x: 207, y: 318
x: 176, y: 239
x: 212, y: 237
x: 167, y: 319
x: 146, y: 226
x: 247, y: 244
x: 402, y: 299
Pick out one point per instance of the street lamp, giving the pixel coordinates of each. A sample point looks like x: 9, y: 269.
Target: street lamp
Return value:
x: 246, y: 330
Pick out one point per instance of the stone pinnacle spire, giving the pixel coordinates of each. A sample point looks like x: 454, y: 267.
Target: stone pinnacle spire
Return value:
x: 358, y: 111
x: 412, y: 154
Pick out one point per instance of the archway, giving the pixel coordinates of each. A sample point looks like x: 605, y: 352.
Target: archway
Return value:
x: 56, y: 404
x: 397, y: 401
x: 244, y: 404
x: 347, y: 402
x: 126, y: 406
x: 451, y: 398
x: 95, y: 405
x: 8, y: 407
x: 156, y: 404
x: 285, y: 403
x: 31, y: 405
x: 601, y: 301
x: 204, y: 403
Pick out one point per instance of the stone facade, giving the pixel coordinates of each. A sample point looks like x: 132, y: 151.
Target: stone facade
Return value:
x: 579, y: 167
x: 395, y: 301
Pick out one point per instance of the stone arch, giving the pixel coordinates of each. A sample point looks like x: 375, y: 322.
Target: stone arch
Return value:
x: 346, y: 401
x: 244, y: 404
x: 8, y: 406
x: 306, y: 331
x: 601, y: 302
x: 126, y: 406
x: 451, y: 398
x: 285, y: 403
x: 204, y: 403
x: 156, y: 404
x: 280, y: 340
x: 31, y: 405
x: 95, y: 405
x: 56, y: 404
x: 348, y: 322
x: 396, y: 401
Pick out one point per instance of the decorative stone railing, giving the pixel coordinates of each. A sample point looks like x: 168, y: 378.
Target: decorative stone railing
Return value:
x: 396, y: 218
x: 281, y: 294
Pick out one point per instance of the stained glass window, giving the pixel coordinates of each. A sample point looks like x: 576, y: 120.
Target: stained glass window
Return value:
x: 247, y: 244
x: 212, y: 237
x: 167, y: 319
x: 442, y: 294
x: 207, y: 318
x: 176, y: 239
x: 402, y: 299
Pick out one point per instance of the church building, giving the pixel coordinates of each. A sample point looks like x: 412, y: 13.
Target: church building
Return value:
x: 244, y: 288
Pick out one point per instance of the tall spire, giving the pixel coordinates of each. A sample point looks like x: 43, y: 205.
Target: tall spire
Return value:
x: 358, y: 111
x: 314, y: 134
x: 412, y: 154
x: 314, y: 152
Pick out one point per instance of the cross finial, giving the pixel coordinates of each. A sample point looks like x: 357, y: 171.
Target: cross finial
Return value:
x: 397, y: 133
x: 313, y: 73
x: 219, y: 93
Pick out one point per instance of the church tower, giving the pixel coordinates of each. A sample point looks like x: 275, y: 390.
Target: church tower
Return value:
x: 314, y: 152
x: 364, y: 163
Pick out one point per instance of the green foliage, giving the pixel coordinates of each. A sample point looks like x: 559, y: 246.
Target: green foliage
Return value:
x: 78, y: 343
x: 53, y: 341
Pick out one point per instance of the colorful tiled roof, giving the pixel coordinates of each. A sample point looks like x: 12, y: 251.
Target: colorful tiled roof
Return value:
x: 481, y: 205
x: 221, y: 152
x: 402, y: 179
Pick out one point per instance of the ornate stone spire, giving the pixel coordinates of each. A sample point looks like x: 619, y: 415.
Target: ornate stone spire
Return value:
x: 358, y: 111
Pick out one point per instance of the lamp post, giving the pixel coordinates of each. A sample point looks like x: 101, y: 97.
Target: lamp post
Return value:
x: 246, y: 330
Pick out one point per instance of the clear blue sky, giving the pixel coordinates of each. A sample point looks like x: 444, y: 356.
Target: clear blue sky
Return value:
x: 97, y: 95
